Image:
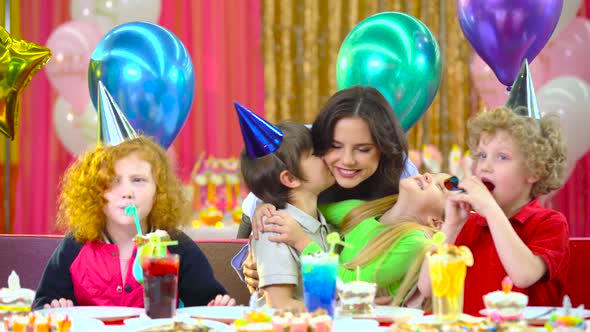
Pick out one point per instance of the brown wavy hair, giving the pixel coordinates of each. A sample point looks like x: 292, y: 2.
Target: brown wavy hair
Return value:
x: 366, y: 103
x: 84, y: 183
x: 541, y: 142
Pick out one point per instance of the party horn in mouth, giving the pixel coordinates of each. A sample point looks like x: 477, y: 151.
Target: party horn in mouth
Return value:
x: 452, y: 184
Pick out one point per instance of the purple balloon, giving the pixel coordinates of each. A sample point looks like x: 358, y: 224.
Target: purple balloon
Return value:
x: 505, y: 32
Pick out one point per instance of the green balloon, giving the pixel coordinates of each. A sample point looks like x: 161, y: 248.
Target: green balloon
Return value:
x: 396, y: 54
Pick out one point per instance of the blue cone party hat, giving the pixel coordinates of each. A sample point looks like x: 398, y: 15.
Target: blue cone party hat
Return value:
x: 522, y: 98
x: 113, y: 126
x: 260, y: 137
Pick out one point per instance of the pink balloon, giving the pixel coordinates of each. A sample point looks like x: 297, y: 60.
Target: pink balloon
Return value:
x: 488, y: 87
x: 72, y: 43
x: 568, y: 54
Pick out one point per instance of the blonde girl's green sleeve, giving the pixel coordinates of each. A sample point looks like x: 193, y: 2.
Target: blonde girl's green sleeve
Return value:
x: 335, y: 212
x: 389, y: 269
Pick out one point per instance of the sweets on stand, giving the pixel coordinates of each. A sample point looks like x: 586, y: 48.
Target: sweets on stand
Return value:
x: 505, y: 305
x: 14, y: 298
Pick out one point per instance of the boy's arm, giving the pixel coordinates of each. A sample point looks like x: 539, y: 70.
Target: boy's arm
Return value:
x: 522, y: 265
x: 281, y: 297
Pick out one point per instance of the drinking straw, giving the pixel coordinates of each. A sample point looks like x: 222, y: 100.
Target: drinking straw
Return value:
x: 132, y: 210
x: 333, y: 239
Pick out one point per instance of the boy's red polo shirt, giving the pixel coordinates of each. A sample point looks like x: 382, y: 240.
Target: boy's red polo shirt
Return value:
x: 543, y: 230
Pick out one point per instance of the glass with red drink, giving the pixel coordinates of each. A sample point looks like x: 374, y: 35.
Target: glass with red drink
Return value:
x: 160, y: 285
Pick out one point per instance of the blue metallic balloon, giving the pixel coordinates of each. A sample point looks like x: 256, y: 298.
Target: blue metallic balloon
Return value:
x: 260, y: 137
x: 150, y: 75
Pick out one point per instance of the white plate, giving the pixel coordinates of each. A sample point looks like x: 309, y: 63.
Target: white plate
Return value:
x: 144, y: 322
x: 220, y: 314
x: 105, y: 314
x: 80, y: 325
x: 354, y: 325
x: 542, y: 313
x: 389, y: 314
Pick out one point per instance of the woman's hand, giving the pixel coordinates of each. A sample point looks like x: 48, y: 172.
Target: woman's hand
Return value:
x: 289, y: 231
x: 222, y: 300
x: 61, y: 303
x: 262, y: 211
x: 250, y: 272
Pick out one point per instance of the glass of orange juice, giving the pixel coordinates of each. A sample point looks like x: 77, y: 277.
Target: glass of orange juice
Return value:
x: 448, y: 267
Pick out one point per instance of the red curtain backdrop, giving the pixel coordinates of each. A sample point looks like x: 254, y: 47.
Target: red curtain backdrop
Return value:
x: 224, y: 40
x: 573, y: 199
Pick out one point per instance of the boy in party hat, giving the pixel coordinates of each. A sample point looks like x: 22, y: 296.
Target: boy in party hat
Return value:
x: 523, y: 156
x: 279, y: 167
x: 93, y: 263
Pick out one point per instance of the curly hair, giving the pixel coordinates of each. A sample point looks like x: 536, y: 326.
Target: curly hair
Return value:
x: 540, y: 141
x: 84, y: 183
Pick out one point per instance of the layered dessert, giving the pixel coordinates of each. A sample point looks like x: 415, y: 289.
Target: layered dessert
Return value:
x: 505, y: 304
x: 14, y: 298
x: 356, y: 298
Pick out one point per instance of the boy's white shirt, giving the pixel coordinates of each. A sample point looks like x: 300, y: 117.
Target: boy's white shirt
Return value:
x: 279, y: 263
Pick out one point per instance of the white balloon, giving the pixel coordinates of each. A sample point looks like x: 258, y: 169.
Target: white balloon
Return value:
x: 568, y: 12
x: 111, y: 13
x: 75, y: 130
x: 569, y: 97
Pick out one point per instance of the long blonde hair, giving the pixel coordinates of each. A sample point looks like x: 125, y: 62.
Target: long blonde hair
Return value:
x: 386, y: 240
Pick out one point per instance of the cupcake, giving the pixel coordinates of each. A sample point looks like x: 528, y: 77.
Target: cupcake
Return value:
x: 14, y: 298
x: 505, y: 304
x: 356, y: 298
x: 570, y: 321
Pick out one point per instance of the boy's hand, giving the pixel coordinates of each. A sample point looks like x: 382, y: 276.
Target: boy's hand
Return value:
x: 262, y: 211
x: 477, y: 195
x: 222, y: 300
x: 289, y: 231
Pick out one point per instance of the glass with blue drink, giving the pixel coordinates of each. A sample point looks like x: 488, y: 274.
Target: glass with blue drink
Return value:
x: 319, y: 272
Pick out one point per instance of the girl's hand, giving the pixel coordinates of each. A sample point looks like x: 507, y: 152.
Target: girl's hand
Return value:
x: 262, y: 212
x: 222, y: 300
x: 289, y: 231
x: 61, y: 303
x: 477, y: 196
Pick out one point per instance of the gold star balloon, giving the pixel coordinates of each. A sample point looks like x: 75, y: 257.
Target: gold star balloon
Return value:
x: 20, y: 60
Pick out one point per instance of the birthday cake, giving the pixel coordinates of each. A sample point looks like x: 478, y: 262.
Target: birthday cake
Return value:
x: 14, y: 298
x: 285, y: 321
x: 37, y: 322
x: 356, y: 298
x: 505, y: 304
